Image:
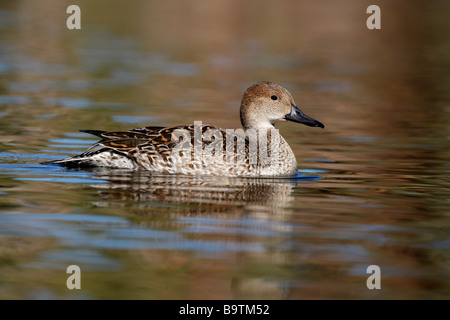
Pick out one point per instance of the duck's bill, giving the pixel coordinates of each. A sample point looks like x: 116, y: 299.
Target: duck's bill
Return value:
x: 297, y: 115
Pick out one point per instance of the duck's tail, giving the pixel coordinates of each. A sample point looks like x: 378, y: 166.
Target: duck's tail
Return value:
x: 72, y: 162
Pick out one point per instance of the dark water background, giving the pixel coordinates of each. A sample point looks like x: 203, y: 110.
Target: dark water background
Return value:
x: 373, y: 187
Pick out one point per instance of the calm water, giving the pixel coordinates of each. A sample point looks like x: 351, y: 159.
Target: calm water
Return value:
x: 372, y: 188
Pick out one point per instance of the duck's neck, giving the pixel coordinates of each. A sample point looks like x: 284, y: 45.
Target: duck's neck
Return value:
x: 261, y: 126
x: 257, y: 124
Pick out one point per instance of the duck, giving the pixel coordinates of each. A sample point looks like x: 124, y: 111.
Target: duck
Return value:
x: 255, y: 150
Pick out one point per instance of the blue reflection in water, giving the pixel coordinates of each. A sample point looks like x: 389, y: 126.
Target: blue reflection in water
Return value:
x: 31, y: 172
x: 299, y: 177
x: 69, y: 141
x: 90, y: 233
x: 135, y: 119
x: 68, y: 102
x: 9, y: 99
x: 64, y: 180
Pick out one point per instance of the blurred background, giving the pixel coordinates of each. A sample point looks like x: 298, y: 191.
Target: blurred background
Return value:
x: 373, y: 187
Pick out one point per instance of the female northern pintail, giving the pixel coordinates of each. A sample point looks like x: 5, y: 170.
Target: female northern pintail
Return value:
x: 259, y: 151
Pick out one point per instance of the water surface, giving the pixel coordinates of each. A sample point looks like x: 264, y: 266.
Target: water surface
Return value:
x: 372, y: 187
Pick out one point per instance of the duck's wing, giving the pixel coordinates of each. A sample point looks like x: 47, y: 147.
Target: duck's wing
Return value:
x: 142, y: 137
x: 132, y: 133
x: 120, y: 148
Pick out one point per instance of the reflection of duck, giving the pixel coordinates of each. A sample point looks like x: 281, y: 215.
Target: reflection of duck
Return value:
x: 202, y: 149
x: 195, y: 193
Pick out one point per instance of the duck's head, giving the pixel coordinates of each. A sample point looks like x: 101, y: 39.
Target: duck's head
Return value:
x: 265, y: 103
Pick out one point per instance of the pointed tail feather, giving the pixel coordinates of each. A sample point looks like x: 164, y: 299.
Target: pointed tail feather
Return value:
x: 75, y: 161
x: 98, y: 133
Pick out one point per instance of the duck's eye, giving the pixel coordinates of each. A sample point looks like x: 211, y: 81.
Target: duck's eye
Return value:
x: 274, y: 97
